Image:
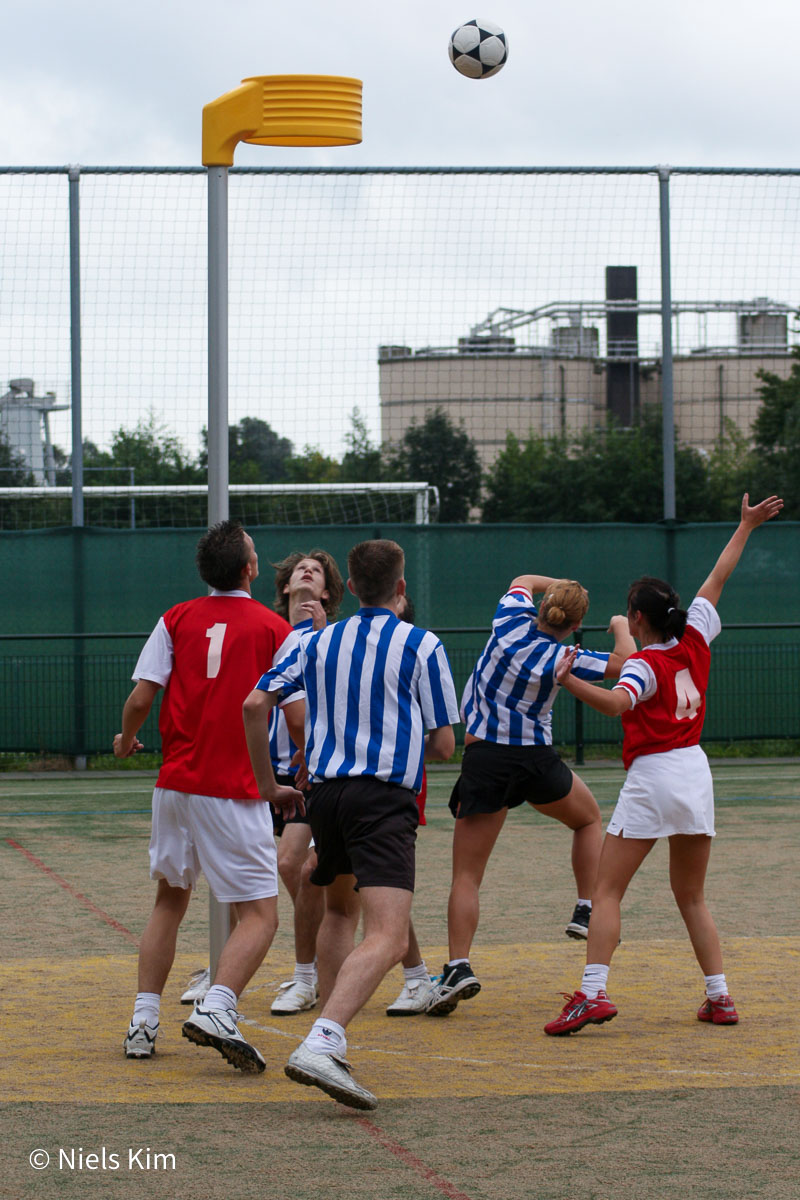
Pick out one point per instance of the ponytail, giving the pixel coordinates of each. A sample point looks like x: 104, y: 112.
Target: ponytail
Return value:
x: 659, y: 604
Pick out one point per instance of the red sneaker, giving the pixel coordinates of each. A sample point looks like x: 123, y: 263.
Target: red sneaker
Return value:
x: 579, y: 1011
x: 720, y: 1011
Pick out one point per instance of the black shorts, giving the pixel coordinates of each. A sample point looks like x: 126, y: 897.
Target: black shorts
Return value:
x: 495, y: 776
x: 364, y: 827
x: 279, y: 821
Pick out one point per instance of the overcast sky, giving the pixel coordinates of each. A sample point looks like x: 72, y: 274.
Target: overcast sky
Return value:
x: 625, y: 82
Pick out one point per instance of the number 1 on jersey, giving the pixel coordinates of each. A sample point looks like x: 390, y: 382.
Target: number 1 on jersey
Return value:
x: 216, y: 636
x: 689, y: 699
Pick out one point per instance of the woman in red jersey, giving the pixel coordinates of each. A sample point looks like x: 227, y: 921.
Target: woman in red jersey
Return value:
x: 661, y: 698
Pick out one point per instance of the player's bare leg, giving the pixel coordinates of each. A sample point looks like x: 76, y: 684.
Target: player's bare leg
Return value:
x: 620, y: 859
x: 156, y: 955
x: 160, y: 936
x: 292, y: 853
x: 295, y: 864
x: 578, y: 810
x: 688, y: 861
x: 413, y: 955
x: 386, y: 917
x: 245, y: 949
x: 214, y: 1021
x: 473, y: 842
x: 309, y: 910
x: 337, y: 933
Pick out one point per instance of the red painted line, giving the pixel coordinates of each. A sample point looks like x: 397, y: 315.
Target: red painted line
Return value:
x: 79, y: 896
x: 444, y: 1185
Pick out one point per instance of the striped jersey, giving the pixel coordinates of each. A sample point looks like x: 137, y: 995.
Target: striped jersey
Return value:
x: 667, y: 685
x: 511, y: 691
x: 373, y: 684
x: 281, y: 747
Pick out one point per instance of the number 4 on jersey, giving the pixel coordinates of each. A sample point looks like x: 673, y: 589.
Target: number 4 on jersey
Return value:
x: 689, y: 699
x: 216, y: 636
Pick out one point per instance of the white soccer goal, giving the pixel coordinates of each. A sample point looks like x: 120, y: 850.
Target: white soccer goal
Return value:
x: 182, y: 506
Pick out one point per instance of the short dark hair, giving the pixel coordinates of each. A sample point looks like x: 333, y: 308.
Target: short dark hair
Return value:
x: 333, y: 581
x: 222, y: 555
x: 374, y: 569
x: 659, y: 603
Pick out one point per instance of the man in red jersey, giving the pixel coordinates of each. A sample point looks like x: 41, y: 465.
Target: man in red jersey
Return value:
x: 207, y: 814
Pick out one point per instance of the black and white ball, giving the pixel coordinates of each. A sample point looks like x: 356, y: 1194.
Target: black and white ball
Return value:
x: 478, y: 49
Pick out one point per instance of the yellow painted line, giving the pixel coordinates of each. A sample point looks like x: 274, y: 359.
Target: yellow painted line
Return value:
x: 69, y: 1019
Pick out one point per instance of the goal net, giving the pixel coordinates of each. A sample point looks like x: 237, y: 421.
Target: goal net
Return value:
x: 178, y: 506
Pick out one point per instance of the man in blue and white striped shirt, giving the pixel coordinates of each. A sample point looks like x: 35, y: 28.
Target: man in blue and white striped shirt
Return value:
x: 373, y: 685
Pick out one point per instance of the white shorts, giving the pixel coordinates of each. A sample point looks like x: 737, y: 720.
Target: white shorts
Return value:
x: 665, y: 794
x: 230, y: 841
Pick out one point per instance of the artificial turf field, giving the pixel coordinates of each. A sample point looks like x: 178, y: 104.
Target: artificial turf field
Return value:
x: 476, y: 1106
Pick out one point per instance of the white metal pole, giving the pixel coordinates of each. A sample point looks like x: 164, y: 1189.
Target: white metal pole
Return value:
x: 218, y: 914
x: 667, y: 379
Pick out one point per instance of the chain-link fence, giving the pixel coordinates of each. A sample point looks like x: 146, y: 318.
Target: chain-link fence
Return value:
x: 515, y: 301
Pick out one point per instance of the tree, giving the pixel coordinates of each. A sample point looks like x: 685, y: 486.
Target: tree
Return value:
x: 776, y: 433
x: 256, y: 453
x: 362, y: 462
x: 312, y: 466
x: 13, y: 469
x: 612, y: 474
x: 439, y: 453
x: 155, y: 454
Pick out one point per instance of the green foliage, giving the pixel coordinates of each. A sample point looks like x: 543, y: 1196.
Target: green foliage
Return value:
x: 312, y: 466
x: 439, y: 453
x: 776, y: 432
x: 362, y: 462
x: 154, y: 454
x: 256, y: 453
x: 611, y: 474
x: 13, y: 471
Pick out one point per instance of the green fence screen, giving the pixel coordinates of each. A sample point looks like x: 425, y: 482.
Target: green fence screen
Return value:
x: 63, y: 694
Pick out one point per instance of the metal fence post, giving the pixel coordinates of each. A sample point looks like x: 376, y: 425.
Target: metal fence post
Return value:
x: 78, y: 594
x: 667, y: 379
x: 219, y: 921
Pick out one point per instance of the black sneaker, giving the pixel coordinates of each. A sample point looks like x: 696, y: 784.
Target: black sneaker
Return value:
x: 579, y: 925
x: 454, y: 984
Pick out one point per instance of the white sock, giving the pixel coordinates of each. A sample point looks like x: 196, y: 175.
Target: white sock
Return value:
x: 326, y: 1037
x: 595, y: 978
x: 454, y: 962
x: 146, y: 1008
x: 715, y: 986
x: 420, y: 972
x: 219, y: 997
x: 585, y: 903
x: 305, y: 972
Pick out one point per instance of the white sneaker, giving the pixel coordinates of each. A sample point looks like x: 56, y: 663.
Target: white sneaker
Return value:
x: 413, y: 999
x: 218, y: 1028
x: 199, y: 983
x: 140, y: 1040
x: 331, y: 1074
x: 294, y: 997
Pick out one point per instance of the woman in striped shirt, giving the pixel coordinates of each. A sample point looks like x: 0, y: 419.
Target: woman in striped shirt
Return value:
x: 509, y: 757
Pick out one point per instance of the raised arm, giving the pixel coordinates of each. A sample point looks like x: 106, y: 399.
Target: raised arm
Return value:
x: 534, y: 583
x: 725, y: 564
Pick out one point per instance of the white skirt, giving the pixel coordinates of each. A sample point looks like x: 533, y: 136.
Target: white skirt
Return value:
x: 666, y: 793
